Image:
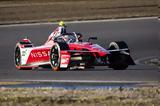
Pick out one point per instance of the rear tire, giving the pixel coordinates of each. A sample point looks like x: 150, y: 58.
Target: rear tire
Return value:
x: 117, y: 60
x: 55, y: 55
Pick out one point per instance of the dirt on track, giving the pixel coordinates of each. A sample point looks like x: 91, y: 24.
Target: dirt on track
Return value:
x: 18, y: 11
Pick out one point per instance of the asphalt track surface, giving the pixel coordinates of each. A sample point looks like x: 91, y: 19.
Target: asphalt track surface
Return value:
x: 140, y: 34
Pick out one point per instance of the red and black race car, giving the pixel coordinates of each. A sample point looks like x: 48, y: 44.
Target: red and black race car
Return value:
x: 68, y: 51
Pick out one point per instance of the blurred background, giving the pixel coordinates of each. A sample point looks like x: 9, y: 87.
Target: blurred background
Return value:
x: 24, y: 11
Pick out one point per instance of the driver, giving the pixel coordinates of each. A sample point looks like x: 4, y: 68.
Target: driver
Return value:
x: 61, y: 29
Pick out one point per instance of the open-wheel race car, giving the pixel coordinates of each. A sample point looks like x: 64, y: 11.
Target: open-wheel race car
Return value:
x: 68, y: 51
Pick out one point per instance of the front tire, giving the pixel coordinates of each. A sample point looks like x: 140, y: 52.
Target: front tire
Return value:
x: 55, y: 56
x: 17, y: 59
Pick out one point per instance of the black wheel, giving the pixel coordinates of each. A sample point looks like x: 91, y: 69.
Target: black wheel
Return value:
x: 17, y: 57
x: 118, y: 60
x: 55, y: 55
x: 118, y: 45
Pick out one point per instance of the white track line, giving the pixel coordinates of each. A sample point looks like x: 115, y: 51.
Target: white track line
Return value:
x: 73, y: 22
x: 81, y: 81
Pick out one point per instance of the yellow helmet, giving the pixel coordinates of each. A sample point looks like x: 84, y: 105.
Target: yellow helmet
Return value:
x: 61, y: 23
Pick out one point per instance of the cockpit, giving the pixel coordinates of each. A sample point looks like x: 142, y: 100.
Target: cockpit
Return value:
x: 69, y: 37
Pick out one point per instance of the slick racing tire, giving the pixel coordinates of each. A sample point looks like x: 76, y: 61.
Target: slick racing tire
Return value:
x: 118, y: 60
x: 55, y: 55
x: 17, y: 59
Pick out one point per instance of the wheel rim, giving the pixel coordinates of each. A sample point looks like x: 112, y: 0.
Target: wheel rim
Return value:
x: 55, y: 56
x: 17, y: 56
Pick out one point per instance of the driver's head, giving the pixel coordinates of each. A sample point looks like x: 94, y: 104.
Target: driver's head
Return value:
x: 61, y: 23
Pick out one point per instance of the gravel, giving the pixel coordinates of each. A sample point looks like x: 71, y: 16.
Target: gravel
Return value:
x: 142, y: 96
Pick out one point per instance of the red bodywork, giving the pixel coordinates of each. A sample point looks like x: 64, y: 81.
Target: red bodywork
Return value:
x: 34, y: 56
x: 71, y: 52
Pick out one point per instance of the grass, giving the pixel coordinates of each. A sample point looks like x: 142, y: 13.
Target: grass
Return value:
x: 12, y: 11
x: 12, y: 83
x: 144, y: 96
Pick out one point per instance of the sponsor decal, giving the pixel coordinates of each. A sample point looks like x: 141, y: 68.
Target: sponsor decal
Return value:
x: 23, y: 53
x: 65, y: 60
x: 40, y: 54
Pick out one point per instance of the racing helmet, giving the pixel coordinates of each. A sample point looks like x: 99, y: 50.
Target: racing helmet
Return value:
x: 61, y: 23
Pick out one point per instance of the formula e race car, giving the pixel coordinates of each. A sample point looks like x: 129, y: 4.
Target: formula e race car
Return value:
x: 68, y: 51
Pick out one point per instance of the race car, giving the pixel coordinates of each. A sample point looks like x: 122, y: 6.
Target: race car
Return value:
x: 68, y: 51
